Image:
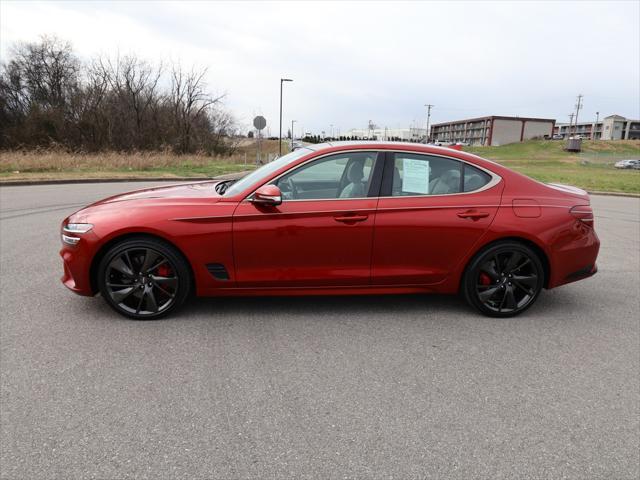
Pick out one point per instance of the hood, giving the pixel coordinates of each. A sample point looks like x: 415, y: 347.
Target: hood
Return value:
x: 180, y: 191
x: 166, y: 196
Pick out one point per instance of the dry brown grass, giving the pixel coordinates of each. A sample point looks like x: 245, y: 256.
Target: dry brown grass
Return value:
x: 57, y: 161
x: 52, y: 161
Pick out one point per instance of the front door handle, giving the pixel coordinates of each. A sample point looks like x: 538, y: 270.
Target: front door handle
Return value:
x: 473, y: 214
x: 351, y: 218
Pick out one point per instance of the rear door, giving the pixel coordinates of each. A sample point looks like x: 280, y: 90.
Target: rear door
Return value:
x: 432, y: 211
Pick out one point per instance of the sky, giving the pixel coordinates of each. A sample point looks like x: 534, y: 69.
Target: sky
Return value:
x: 352, y: 62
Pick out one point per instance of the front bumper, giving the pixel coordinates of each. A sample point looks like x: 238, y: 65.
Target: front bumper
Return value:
x: 77, y: 265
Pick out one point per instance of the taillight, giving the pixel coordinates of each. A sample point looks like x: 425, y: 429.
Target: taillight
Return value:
x: 584, y: 213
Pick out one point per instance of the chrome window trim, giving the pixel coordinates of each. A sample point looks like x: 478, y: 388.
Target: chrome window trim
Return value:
x: 495, y: 178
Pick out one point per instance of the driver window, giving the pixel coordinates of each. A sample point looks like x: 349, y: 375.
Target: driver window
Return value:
x: 345, y: 175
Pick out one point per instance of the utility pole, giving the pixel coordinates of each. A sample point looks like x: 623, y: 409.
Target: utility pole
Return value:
x: 578, y: 107
x: 595, y: 127
x: 570, y: 123
x: 292, y: 135
x: 429, y: 107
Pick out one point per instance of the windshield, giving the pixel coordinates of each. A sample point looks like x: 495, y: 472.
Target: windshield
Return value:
x: 264, y: 171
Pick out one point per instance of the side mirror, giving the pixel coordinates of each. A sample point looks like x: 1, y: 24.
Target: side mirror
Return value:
x: 268, y: 196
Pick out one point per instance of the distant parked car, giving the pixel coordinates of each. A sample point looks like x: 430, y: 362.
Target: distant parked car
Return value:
x: 557, y: 136
x: 634, y: 164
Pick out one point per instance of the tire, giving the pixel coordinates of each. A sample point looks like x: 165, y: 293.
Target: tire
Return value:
x: 503, y: 280
x: 144, y: 278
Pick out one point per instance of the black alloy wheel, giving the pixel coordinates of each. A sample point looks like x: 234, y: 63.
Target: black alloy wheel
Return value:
x: 144, y: 278
x: 503, y: 280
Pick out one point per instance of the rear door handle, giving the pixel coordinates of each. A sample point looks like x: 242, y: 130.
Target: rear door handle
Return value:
x: 351, y: 218
x: 473, y: 214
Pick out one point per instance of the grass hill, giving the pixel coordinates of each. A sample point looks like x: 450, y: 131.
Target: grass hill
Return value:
x: 591, y: 169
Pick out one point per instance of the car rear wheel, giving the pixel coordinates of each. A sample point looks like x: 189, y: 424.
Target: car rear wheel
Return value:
x: 144, y: 278
x: 503, y: 280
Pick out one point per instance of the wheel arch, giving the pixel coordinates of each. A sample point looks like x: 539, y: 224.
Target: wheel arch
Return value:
x: 95, y: 262
x: 542, y: 255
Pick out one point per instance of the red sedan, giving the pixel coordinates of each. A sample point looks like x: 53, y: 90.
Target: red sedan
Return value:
x: 346, y: 218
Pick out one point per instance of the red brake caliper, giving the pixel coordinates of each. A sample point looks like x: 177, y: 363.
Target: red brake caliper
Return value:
x: 484, y: 279
x: 164, y: 271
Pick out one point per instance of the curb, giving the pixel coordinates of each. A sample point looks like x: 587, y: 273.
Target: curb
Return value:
x: 615, y: 194
x: 23, y: 183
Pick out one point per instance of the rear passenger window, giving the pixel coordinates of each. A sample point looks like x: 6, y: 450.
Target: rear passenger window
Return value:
x: 474, y: 178
x: 415, y: 174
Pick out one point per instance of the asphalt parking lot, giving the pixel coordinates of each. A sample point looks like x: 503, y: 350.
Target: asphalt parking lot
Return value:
x: 349, y: 387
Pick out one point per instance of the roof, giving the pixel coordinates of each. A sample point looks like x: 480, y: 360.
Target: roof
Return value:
x: 378, y: 144
x: 496, y: 117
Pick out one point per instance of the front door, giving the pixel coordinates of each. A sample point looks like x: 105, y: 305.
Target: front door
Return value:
x: 432, y: 211
x: 321, y: 235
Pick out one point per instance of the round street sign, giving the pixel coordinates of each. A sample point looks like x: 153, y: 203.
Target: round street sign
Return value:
x: 259, y: 122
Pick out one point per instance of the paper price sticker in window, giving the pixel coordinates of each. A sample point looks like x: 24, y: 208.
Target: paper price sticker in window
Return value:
x: 415, y: 176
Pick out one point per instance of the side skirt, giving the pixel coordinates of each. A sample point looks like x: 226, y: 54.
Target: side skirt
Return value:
x: 295, y: 291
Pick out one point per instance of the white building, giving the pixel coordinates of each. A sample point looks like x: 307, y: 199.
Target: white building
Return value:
x: 613, y: 127
x: 387, y: 134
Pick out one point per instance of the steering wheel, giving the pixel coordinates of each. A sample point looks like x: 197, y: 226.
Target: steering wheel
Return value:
x: 288, y: 188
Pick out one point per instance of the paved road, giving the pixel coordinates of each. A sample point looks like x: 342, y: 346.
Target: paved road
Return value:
x: 393, y: 387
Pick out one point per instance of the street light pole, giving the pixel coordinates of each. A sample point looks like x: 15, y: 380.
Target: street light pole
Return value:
x: 595, y: 127
x: 282, y: 80
x: 292, y: 122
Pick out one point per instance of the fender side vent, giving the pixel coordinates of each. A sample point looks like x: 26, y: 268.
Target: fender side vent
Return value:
x: 218, y: 271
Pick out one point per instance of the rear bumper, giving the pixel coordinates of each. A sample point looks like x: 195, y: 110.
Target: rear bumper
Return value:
x: 576, y: 259
x: 585, y: 272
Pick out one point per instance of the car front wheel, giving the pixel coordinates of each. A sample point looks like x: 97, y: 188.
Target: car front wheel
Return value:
x: 503, y: 280
x: 144, y: 278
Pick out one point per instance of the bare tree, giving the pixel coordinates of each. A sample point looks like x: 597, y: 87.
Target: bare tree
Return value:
x: 133, y: 85
x: 41, y: 78
x: 190, y: 103
x: 48, y: 96
x: 49, y: 69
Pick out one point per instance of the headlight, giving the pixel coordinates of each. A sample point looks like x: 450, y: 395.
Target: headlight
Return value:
x: 74, y: 229
x: 70, y: 240
x: 77, y: 227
